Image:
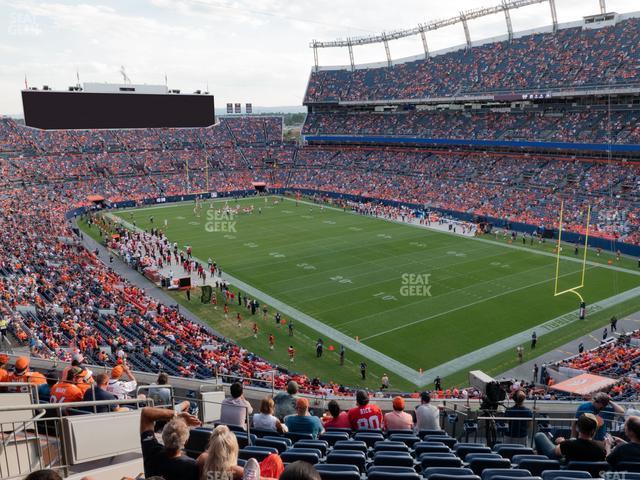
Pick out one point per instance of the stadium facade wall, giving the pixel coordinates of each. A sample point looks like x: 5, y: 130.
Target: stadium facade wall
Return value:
x: 404, y: 141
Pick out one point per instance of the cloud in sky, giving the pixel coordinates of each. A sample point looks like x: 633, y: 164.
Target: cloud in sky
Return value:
x: 246, y: 51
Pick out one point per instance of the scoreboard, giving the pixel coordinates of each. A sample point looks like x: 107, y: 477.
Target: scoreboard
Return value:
x: 49, y: 110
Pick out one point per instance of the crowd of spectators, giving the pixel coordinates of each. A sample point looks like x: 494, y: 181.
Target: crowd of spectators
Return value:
x: 592, y: 126
x: 567, y: 59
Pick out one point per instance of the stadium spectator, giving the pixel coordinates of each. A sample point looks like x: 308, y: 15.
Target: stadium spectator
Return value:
x: 619, y: 450
x: 336, y: 418
x: 365, y: 415
x: 427, y: 415
x: 66, y: 390
x: 518, y: 429
x: 265, y: 419
x: 160, y: 395
x: 220, y: 460
x: 582, y: 448
x: 99, y: 393
x: 120, y: 388
x: 603, y: 409
x: 286, y: 401
x: 167, y: 460
x: 398, y: 419
x: 302, y: 421
x: 22, y: 373
x: 235, y: 410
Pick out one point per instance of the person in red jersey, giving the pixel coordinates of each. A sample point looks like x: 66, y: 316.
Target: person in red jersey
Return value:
x: 365, y: 415
x: 292, y: 353
x: 272, y: 341
x: 255, y: 330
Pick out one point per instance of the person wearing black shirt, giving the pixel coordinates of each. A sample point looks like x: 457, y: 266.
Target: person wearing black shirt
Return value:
x: 167, y: 461
x: 620, y: 451
x: 99, y: 392
x: 583, y: 448
x: 518, y: 429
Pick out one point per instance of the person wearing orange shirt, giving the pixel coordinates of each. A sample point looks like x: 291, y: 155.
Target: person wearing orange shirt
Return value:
x: 4, y: 374
x: 66, y: 391
x: 22, y: 373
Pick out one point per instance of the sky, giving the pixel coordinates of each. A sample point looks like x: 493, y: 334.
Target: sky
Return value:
x: 241, y: 50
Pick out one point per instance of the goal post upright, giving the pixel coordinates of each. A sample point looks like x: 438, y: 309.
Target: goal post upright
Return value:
x: 574, y: 289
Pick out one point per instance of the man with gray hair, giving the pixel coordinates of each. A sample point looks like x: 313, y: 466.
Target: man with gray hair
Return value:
x: 286, y: 402
x: 167, y: 461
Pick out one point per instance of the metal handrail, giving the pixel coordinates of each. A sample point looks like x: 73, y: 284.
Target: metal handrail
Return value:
x: 56, y: 406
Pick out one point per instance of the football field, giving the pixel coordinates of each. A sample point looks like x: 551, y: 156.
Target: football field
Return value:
x: 419, y: 297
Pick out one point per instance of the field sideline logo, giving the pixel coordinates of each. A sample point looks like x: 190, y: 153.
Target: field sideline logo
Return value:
x: 220, y: 221
x: 415, y: 285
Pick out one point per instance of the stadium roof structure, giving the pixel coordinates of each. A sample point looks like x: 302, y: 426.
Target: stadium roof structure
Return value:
x: 421, y: 29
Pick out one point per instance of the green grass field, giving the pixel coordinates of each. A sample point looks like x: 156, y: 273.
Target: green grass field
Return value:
x: 419, y: 296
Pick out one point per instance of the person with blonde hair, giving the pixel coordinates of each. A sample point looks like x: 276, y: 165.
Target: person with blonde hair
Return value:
x: 220, y: 460
x: 265, y: 419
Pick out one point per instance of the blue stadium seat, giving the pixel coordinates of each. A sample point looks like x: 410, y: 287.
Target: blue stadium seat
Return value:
x: 348, y: 457
x: 554, y: 474
x: 332, y: 436
x: 446, y: 471
x: 386, y: 472
x: 350, y: 445
x: 294, y: 437
x: 390, y: 446
x: 464, y: 450
x: 448, y: 441
x: 516, y: 459
x: 282, y: 439
x: 259, y: 432
x: 245, y: 439
x: 509, y: 452
x: 490, y: 473
x: 630, y: 467
x: 369, y: 438
x: 198, y: 441
x: 321, y: 445
x: 424, y: 433
x: 538, y: 465
x: 309, y: 455
x: 430, y: 447
x: 507, y: 476
x: 440, y: 476
x: 473, y: 456
x: 339, y: 430
x: 396, y: 475
x: 395, y: 459
x: 406, y: 431
x: 279, y: 445
x: 407, y: 438
x: 480, y: 464
x: 594, y: 468
x: 431, y: 460
x: 337, y: 472
x: 259, y: 453
x: 499, y: 445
